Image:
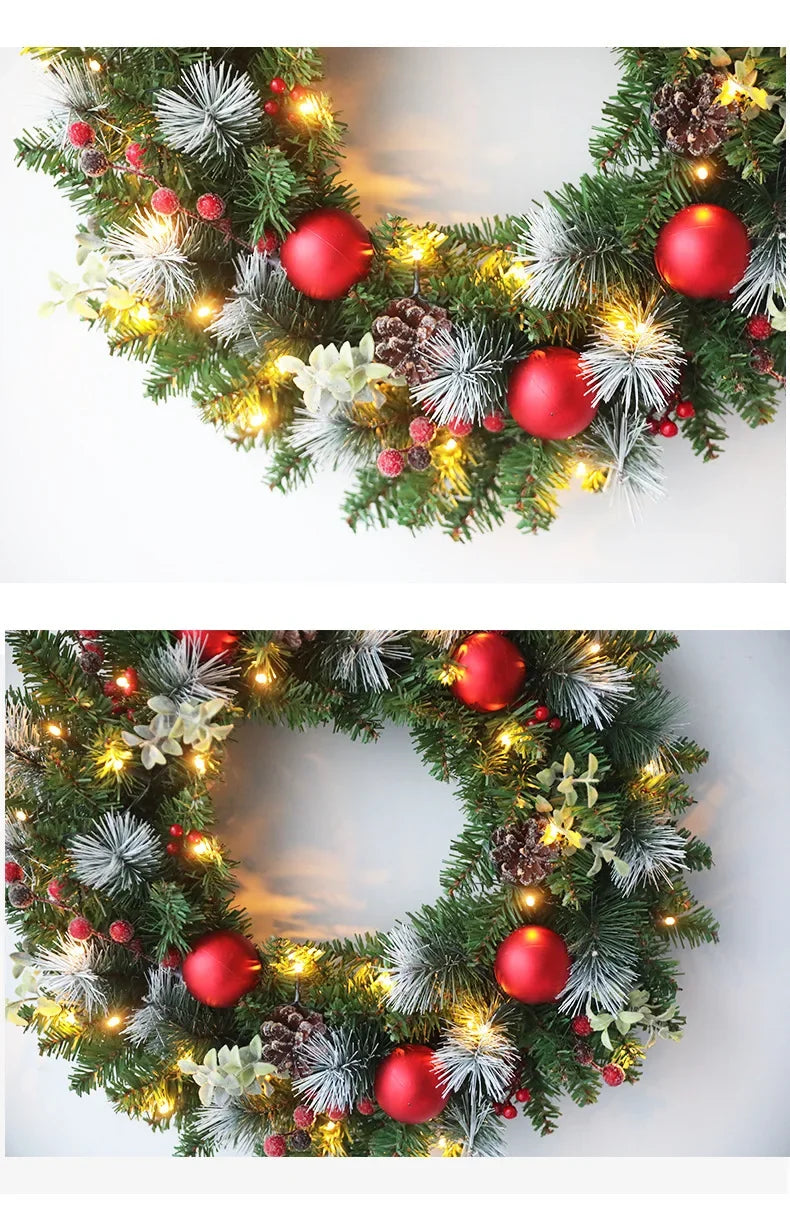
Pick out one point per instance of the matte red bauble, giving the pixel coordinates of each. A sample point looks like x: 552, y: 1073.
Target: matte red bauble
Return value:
x: 532, y: 964
x: 214, y: 643
x: 221, y: 968
x: 407, y: 1086
x: 492, y: 672
x: 703, y: 251
x: 548, y: 395
x: 327, y: 253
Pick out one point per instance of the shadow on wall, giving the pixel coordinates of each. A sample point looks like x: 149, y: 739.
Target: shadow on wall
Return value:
x: 333, y: 837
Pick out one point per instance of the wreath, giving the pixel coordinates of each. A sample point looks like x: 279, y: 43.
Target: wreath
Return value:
x: 544, y: 969
x: 458, y: 371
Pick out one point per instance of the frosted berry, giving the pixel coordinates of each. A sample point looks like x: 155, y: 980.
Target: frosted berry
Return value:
x: 13, y: 872
x: 613, y: 1074
x: 274, y: 1146
x: 459, y: 427
x: 277, y: 85
x: 300, y: 1141
x: 555, y: 723
x: 762, y: 360
x: 366, y: 1106
x: 94, y: 163
x: 542, y: 713
x: 509, y: 1111
x: 135, y: 154
x: 494, y: 422
x: 271, y: 107
x: 19, y: 895
x: 389, y: 463
x: 87, y: 636
x: 304, y: 1117
x: 176, y: 830
x: 337, y: 1114
x: 121, y: 932
x: 685, y: 410
x: 210, y: 206
x: 523, y: 1095
x: 165, y: 201
x: 171, y: 959
x: 80, y: 134
x: 80, y: 929
x: 418, y: 457
x: 90, y: 661
x: 267, y: 242
x: 653, y: 426
x: 759, y: 328
x: 422, y: 430
x: 668, y: 428
x: 56, y: 891
x: 584, y: 1055
x: 581, y: 1026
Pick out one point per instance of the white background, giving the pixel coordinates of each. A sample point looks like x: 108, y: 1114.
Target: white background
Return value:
x: 100, y: 484
x: 361, y: 832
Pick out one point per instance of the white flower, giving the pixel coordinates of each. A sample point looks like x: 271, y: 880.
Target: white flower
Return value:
x: 175, y: 724
x: 333, y: 378
x: 228, y: 1074
x: 155, y: 746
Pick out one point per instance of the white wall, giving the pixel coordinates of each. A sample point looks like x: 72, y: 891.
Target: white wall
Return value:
x: 339, y: 835
x: 443, y: 133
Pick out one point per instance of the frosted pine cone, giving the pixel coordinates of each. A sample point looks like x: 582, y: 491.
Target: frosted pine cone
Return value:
x: 294, y: 639
x: 285, y: 1032
x: 518, y: 853
x: 401, y: 332
x: 688, y: 118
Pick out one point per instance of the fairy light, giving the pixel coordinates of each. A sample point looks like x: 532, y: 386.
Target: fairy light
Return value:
x: 530, y: 898
x: 20, y: 815
x: 580, y: 469
x: 112, y: 1022
x: 263, y: 678
x: 204, y: 311
x: 702, y: 171
x: 54, y: 730
x: 309, y: 106
x: 124, y: 683
x: 94, y: 65
x: 519, y: 273
x: 199, y: 763
x: 200, y: 848
x: 142, y: 312
x: 670, y: 920
x: 165, y: 1109
x: 258, y: 418
x: 451, y: 446
x: 595, y: 647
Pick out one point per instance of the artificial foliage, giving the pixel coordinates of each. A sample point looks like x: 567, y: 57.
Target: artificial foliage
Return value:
x: 193, y: 168
x: 573, y: 798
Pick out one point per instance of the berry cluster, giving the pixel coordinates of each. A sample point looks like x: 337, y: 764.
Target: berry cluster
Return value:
x: 666, y: 425
x: 612, y: 1073
x: 543, y: 714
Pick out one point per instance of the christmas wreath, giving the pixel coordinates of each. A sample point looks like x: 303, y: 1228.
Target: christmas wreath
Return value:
x: 544, y: 969
x: 459, y: 371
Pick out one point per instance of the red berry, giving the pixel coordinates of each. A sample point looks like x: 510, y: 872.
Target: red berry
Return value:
x: 523, y: 1095
x: 274, y: 1146
x: 136, y: 946
x: 277, y: 85
x: 80, y: 134
x: 494, y: 422
x: 759, y: 327
x: 581, y: 1026
x: 267, y: 243
x: 134, y: 155
x: 685, y: 410
x: 303, y: 1117
x: 210, y: 206
x: 422, y: 430
x: 762, y: 360
x: 366, y: 1106
x: 613, y: 1074
x: 176, y: 830
x: 88, y: 635
x: 584, y: 1055
x: 171, y: 959
x: 668, y: 428
x: 653, y: 426
x: 121, y: 932
x: 80, y: 929
x: 555, y: 723
x: 497, y: 1107
x: 94, y: 647
x: 56, y: 891
x: 165, y: 201
x: 509, y: 1111
x: 194, y: 836
x: 298, y: 92
x: 271, y: 107
x: 390, y: 462
x: 542, y: 713
x: 459, y: 427
x: 337, y: 1114
x: 13, y: 872
x: 173, y: 847
x: 111, y: 688
x: 531, y: 722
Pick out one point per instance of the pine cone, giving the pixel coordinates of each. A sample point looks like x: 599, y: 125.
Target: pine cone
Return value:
x: 293, y: 639
x: 90, y: 661
x: 401, y: 332
x: 285, y: 1032
x: 518, y: 854
x: 687, y: 117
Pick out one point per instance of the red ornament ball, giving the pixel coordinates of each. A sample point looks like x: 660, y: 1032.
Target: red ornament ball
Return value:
x: 759, y: 328
x: 267, y: 243
x: 221, y: 968
x: 668, y: 428
x: 366, y: 1106
x: 685, y: 410
x: 165, y: 201
x: 80, y: 929
x: 13, y: 872
x: 277, y: 85
x: 509, y: 1111
x: 135, y: 154
x: 459, y: 427
x: 80, y: 134
x: 303, y: 1116
x: 703, y: 251
x: 422, y: 430
x: 532, y: 965
x: 494, y: 422
x: 121, y: 931
x: 523, y: 1095
x: 210, y: 206
x: 327, y: 253
x: 214, y: 642
x: 271, y: 107
x: 274, y: 1146
x: 171, y: 959
x: 390, y: 462
x: 407, y: 1085
x: 542, y: 713
x: 548, y: 396
x: 581, y: 1026
x: 613, y: 1074
x: 491, y: 674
